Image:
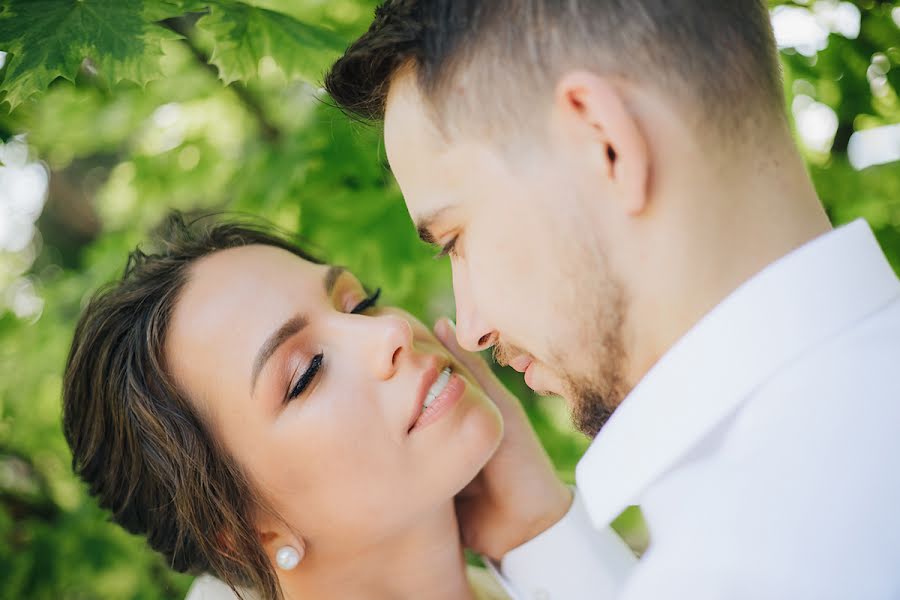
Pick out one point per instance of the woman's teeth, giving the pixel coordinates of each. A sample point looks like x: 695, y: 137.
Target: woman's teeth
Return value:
x: 436, y: 388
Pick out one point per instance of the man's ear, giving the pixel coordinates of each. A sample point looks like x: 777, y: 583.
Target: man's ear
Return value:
x: 594, y: 110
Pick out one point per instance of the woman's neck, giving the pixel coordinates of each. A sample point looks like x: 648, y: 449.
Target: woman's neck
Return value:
x: 425, y: 561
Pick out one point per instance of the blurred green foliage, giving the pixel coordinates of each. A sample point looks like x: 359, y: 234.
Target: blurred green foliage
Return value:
x: 137, y: 106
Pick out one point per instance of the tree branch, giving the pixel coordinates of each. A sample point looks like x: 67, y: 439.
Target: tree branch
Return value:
x: 182, y: 26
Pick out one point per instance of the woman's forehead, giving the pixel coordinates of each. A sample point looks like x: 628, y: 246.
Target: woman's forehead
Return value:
x: 231, y: 303
x: 240, y: 284
x: 235, y: 297
x: 251, y: 262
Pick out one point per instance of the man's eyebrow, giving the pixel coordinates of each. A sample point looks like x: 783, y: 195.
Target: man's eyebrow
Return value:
x: 289, y: 328
x: 424, y: 225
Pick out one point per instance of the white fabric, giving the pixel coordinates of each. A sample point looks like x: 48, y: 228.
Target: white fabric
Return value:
x: 582, y: 565
x: 764, y: 448
x: 207, y: 587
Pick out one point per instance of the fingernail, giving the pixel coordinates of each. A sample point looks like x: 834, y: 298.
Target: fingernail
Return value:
x: 440, y: 326
x: 445, y: 324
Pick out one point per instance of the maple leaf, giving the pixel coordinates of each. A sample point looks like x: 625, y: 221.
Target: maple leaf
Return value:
x: 157, y: 10
x: 48, y: 39
x: 245, y: 34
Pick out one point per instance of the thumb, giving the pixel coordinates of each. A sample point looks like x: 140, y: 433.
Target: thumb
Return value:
x: 445, y: 331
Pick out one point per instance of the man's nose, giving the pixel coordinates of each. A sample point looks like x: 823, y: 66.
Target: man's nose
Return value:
x: 389, y: 337
x: 472, y: 332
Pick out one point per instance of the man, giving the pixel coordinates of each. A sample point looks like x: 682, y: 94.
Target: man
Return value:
x: 629, y: 224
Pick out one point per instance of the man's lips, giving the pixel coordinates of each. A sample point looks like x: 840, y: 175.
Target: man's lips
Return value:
x: 432, y: 371
x: 529, y: 377
x: 525, y: 364
x: 521, y: 363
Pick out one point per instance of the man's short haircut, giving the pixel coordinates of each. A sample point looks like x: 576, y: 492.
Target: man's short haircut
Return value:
x: 715, y: 56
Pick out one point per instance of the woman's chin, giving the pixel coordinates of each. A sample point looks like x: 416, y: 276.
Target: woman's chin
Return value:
x: 477, y: 435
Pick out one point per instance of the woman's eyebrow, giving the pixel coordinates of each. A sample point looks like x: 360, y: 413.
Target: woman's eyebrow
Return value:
x: 331, y: 277
x: 287, y: 330
x: 290, y: 328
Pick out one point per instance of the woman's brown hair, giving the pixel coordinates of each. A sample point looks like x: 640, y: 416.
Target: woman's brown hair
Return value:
x: 144, y: 451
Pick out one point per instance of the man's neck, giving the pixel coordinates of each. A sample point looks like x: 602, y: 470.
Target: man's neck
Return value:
x: 724, y: 235
x: 425, y: 561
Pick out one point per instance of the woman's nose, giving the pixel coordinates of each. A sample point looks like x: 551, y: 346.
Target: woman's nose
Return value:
x: 390, y: 336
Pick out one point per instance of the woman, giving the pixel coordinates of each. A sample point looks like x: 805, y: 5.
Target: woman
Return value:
x: 258, y: 418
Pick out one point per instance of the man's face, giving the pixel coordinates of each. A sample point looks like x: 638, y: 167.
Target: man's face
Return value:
x: 530, y: 268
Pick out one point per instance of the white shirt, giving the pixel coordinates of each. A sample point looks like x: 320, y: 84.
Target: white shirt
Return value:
x: 763, y: 448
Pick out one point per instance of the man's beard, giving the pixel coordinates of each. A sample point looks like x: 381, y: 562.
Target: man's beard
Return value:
x: 593, y: 404
x: 595, y: 396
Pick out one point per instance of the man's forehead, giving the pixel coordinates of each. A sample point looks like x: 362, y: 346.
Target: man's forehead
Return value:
x: 436, y: 171
x: 409, y: 123
x: 416, y: 150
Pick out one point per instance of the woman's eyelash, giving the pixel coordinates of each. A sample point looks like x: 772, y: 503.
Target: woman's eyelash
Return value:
x: 367, y: 303
x: 447, y: 249
x: 307, y: 377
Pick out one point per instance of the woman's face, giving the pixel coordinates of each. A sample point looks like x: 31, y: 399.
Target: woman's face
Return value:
x: 316, y: 402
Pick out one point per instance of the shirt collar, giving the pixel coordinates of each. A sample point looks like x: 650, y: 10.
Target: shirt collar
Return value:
x: 795, y: 303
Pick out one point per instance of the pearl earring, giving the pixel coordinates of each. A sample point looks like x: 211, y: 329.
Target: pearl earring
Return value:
x: 288, y: 557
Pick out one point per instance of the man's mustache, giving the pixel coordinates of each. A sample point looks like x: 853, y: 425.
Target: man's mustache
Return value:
x: 503, y: 353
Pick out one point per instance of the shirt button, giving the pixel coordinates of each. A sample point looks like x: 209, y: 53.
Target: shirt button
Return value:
x: 541, y: 594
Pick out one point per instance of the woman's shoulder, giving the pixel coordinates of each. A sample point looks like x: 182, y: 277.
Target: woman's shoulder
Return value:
x: 207, y: 587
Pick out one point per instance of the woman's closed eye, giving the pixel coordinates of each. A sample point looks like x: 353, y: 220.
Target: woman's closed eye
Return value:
x: 315, y: 364
x: 307, y: 378
x: 367, y: 303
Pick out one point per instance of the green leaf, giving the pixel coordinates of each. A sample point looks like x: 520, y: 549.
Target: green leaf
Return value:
x: 245, y: 34
x: 157, y: 10
x: 48, y: 39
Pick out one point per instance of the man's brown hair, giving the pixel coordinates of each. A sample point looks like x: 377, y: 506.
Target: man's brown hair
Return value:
x: 718, y: 56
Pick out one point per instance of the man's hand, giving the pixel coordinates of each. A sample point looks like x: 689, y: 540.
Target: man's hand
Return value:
x: 517, y: 495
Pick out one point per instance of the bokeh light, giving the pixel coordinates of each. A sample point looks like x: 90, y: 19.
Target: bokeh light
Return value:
x: 23, y: 191
x: 806, y: 30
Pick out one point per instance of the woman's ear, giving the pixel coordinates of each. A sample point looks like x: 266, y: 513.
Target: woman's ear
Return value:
x: 285, y: 549
x: 266, y: 538
x: 593, y: 111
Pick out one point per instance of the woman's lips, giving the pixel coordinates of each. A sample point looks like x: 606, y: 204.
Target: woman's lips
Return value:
x: 441, y: 405
x: 435, y: 366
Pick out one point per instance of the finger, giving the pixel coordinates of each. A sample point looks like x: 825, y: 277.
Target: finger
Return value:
x: 446, y: 332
